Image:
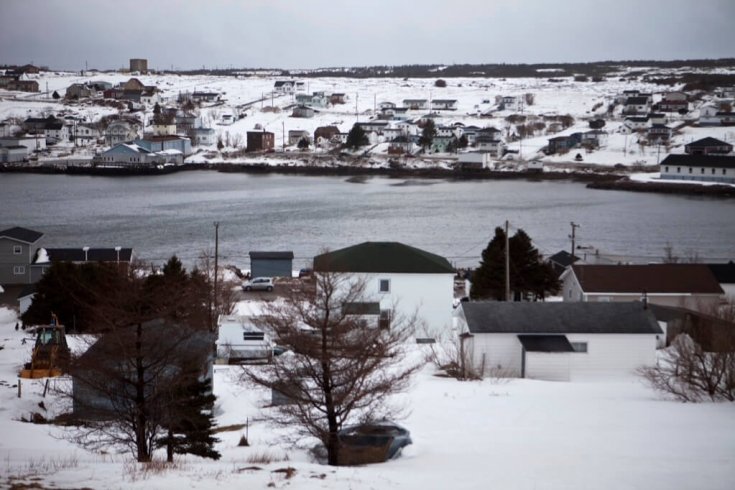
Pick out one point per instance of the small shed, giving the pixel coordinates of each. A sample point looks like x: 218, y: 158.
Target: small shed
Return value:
x: 271, y: 264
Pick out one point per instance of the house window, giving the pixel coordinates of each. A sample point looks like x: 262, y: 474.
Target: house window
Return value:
x: 385, y: 318
x: 384, y: 286
x: 19, y: 269
x: 713, y: 171
x: 701, y: 171
x: 690, y: 169
x: 579, y: 346
x: 667, y: 169
x: 724, y: 171
x: 17, y: 249
x: 678, y: 170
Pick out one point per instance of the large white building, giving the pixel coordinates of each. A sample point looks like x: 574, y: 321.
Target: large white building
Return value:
x: 398, y: 279
x: 559, y: 341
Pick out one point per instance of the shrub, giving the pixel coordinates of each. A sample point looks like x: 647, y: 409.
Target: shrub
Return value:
x: 440, y: 83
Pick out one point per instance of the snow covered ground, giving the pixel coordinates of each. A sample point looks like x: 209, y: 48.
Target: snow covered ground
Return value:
x: 519, y: 434
x: 474, y: 95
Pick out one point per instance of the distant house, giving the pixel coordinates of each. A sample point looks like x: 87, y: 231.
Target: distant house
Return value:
x: 323, y: 135
x: 657, y: 118
x: 633, y: 124
x: 338, y: 98
x: 597, y: 123
x: 488, y: 144
x: 126, y: 155
x: 444, y: 104
x: 475, y: 160
x: 16, y: 254
x: 684, y: 285
x: 23, y: 85
x: 636, y: 105
x: 79, y: 91
x: 559, y: 341
x: 559, y: 144
x: 440, y: 144
x: 84, y: 134
x: 508, y: 102
x: 303, y: 112
x: 271, y: 264
x: 13, y: 153
x: 288, y: 86
x: 163, y: 143
x: 711, y: 168
x: 672, y: 106
x: 44, y: 257
x: 260, y: 141
x: 412, y: 280
x: 97, y: 375
x: 239, y: 340
x: 708, y: 146
x: 32, y: 142
x: 205, y: 96
x: 658, y: 133
x: 316, y: 99
x: 121, y: 131
x: 296, y: 135
x: 416, y: 104
x: 203, y: 136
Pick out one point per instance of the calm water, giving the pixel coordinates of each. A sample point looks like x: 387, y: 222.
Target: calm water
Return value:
x: 174, y: 214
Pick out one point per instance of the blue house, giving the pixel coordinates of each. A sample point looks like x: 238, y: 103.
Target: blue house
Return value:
x: 163, y: 143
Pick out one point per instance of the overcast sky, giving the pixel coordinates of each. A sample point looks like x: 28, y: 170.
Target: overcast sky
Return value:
x: 63, y: 34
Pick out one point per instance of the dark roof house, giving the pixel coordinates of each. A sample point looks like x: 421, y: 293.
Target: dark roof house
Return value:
x: 382, y: 257
x: 21, y: 234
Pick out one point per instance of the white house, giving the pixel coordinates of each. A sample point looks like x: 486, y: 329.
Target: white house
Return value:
x: 239, y: 340
x: 689, y: 286
x: 558, y: 341
x: 444, y: 104
x: 709, y: 168
x: 400, y: 278
x: 475, y: 160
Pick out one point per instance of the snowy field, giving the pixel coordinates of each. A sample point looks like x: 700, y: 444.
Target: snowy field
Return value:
x: 251, y: 97
x: 518, y: 434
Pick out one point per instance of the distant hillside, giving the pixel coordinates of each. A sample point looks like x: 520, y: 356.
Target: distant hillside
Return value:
x: 541, y: 70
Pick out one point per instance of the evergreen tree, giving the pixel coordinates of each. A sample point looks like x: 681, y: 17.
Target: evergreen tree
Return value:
x: 463, y: 142
x: 528, y: 274
x: 428, y: 134
x: 190, y: 422
x: 303, y: 144
x: 356, y: 138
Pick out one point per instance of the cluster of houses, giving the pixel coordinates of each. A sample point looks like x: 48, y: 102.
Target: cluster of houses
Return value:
x: 611, y: 319
x: 17, y: 79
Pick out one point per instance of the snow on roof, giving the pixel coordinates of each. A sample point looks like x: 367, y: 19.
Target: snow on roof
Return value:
x: 170, y: 151
x: 42, y: 256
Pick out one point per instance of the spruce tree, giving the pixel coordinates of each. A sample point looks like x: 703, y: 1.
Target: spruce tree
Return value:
x: 190, y: 423
x: 356, y: 137
x: 529, y: 275
x: 428, y: 134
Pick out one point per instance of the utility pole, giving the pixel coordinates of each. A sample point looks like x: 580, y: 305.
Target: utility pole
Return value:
x: 507, y: 263
x: 216, y: 273
x: 573, y: 235
x: 357, y: 113
x: 283, y: 134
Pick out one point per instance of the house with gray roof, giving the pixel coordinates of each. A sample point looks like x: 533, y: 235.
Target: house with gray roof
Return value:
x: 559, y: 341
x: 17, y: 246
x: 401, y: 279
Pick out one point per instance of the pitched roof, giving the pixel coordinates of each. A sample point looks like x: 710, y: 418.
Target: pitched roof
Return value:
x: 708, y: 141
x: 271, y: 255
x: 559, y: 318
x: 545, y: 343
x: 724, y: 273
x: 382, y: 257
x: 650, y: 278
x: 21, y: 234
x: 563, y: 258
x: 719, y: 161
x: 92, y: 255
x: 636, y: 101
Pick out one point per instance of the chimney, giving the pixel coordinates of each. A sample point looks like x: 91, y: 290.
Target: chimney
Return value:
x: 86, y: 250
x: 644, y: 299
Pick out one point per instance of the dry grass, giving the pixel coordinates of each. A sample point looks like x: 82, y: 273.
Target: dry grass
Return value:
x: 134, y: 471
x: 229, y: 428
x: 265, y: 457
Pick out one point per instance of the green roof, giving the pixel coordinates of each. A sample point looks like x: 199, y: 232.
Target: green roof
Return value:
x: 382, y: 257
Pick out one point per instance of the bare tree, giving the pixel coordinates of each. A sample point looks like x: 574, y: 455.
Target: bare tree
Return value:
x: 127, y: 384
x: 222, y: 301
x: 700, y: 362
x: 340, y: 368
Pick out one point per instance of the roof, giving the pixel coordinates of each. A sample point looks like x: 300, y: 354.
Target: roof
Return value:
x: 92, y: 255
x: 271, y: 255
x: 720, y: 161
x: 650, y: 278
x: 382, y: 257
x: 28, y: 290
x: 636, y: 101
x: 707, y: 142
x: 563, y: 258
x: 559, y: 318
x: 545, y: 343
x: 21, y: 234
x: 724, y: 273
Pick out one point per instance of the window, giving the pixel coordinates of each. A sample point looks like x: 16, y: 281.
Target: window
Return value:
x: 713, y: 171
x: 678, y: 170
x: 384, y: 320
x: 384, y: 286
x: 701, y: 170
x: 690, y: 169
x: 724, y: 171
x: 19, y: 269
x: 579, y: 346
x: 667, y: 169
x: 17, y: 249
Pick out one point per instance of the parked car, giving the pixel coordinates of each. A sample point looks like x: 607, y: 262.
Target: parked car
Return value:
x: 389, y: 436
x: 305, y: 272
x: 258, y: 284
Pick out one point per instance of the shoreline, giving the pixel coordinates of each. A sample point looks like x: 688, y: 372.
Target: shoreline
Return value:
x: 592, y: 179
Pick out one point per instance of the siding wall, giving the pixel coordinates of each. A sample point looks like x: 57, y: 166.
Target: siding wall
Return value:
x: 9, y: 261
x: 271, y: 268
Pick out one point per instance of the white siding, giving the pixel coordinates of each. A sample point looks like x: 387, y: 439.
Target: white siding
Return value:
x: 611, y: 355
x: 549, y: 366
x: 497, y: 354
